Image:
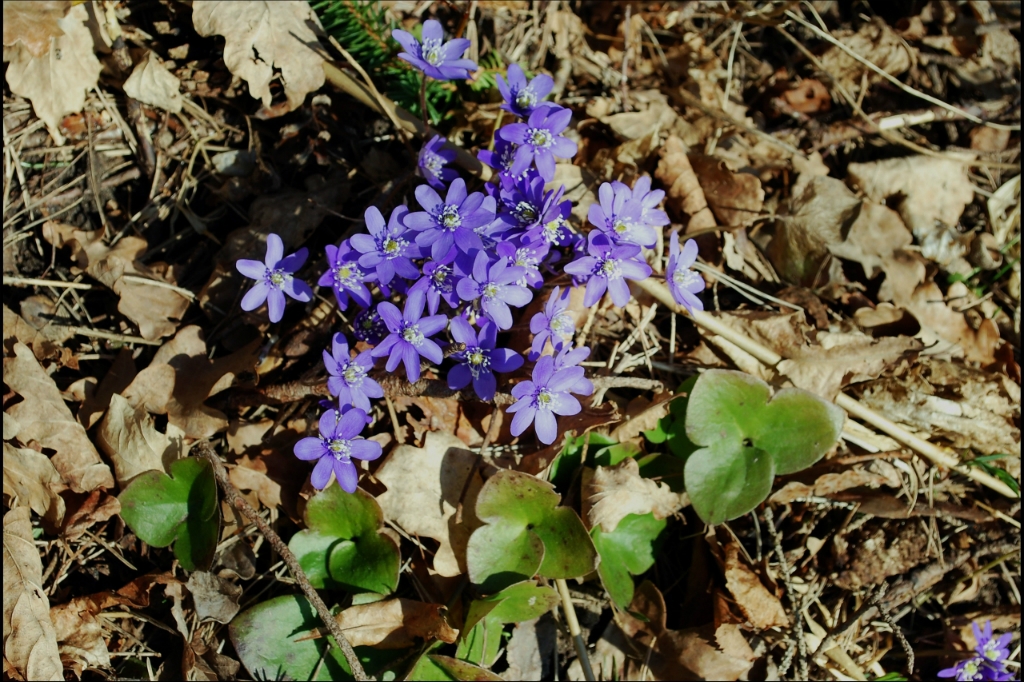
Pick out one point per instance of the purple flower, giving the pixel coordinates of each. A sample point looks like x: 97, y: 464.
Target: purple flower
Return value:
x: 345, y: 276
x: 452, y: 221
x: 433, y: 159
x: 495, y: 285
x: 526, y: 255
x: 408, y: 338
x: 553, y: 226
x: 369, y: 327
x: 976, y: 668
x: 438, y: 282
x: 683, y: 282
x: 619, y: 216
x: 522, y: 97
x: 571, y: 357
x: 992, y: 649
x: 480, y: 360
x: 522, y: 201
x: 553, y: 324
x: 386, y: 249
x: 349, y: 382
x: 434, y: 57
x: 540, y: 140
x: 274, y: 278
x: 538, y: 401
x: 607, y: 268
x: 648, y: 199
x: 501, y: 159
x: 336, y: 447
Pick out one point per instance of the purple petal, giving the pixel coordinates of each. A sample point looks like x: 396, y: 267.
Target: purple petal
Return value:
x: 275, y: 304
x: 374, y: 221
x: 522, y: 389
x: 522, y: 420
x: 541, y: 85
x: 411, y: 359
x: 428, y: 199
x: 485, y: 386
x: 689, y: 254
x: 545, y: 162
x: 351, y: 424
x: 505, y: 360
x: 397, y: 351
x: 564, y: 378
x: 619, y: 291
x: 432, y: 30
x: 565, y: 405
x: 431, y: 351
x: 255, y: 297
x: 454, y: 48
x: 292, y: 263
x: 459, y: 377
x: 405, y: 39
x: 309, y: 449
x: 322, y: 473
x: 364, y: 243
x: 595, y: 290
x: 462, y: 332
x: 543, y: 370
x: 297, y: 289
x: 391, y: 316
x: 275, y: 250
x: 364, y: 449
x: 348, y: 477
x: 515, y: 133
x: 253, y: 269
x: 546, y: 427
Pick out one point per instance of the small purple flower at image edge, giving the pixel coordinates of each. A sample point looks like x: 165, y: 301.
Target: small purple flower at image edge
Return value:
x: 274, y: 279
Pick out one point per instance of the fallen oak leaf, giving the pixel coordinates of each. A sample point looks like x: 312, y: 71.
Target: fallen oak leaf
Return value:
x: 684, y: 195
x: 33, y: 23
x: 128, y: 436
x: 735, y: 198
x: 151, y: 83
x: 251, y: 474
x: 759, y: 606
x: 31, y: 479
x: 615, y: 492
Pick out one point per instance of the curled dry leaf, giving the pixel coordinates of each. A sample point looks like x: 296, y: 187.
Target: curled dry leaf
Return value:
x: 251, y: 474
x: 56, y: 81
x: 80, y: 634
x: 45, y: 340
x: 782, y: 332
x: 118, y: 378
x: 759, y: 606
x: 33, y: 23
x: 684, y: 195
x: 96, y: 507
x: 424, y: 488
x: 128, y: 436
x: 618, y: 491
x: 151, y: 83
x: 260, y: 37
x: 44, y: 418
x: 634, y: 125
x: 145, y: 297
x: 30, y: 642
x: 827, y: 484
x: 31, y: 479
x: 395, y: 624
x: 842, y: 359
x: 944, y: 330
x: 735, y: 198
x: 215, y: 598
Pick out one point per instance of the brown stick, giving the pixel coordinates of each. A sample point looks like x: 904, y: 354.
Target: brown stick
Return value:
x: 206, y: 451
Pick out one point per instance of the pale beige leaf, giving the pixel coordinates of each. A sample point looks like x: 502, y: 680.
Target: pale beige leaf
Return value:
x: 424, y: 485
x: 30, y: 477
x: 684, y: 195
x: 875, y: 42
x: 395, y: 624
x: 734, y: 198
x: 80, y: 634
x: 153, y: 84
x: 30, y: 642
x: 45, y: 418
x: 944, y: 330
x: 128, y: 436
x: 761, y: 608
x: 57, y: 81
x: 251, y: 474
x: 33, y: 23
x: 615, y: 492
x: 262, y: 36
x: 45, y: 342
x: 876, y: 234
x: 841, y: 359
x: 827, y: 484
x: 215, y: 598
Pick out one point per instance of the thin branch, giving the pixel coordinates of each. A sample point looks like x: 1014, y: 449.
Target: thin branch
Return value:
x: 574, y: 629
x: 206, y: 451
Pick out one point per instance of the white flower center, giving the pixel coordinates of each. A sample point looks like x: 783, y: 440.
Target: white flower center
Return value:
x: 553, y: 229
x: 392, y: 246
x: 562, y: 324
x: 491, y: 290
x: 621, y: 226
x: 440, y: 279
x: 544, y: 399
x: 525, y: 99
x: 685, y: 278
x: 277, y: 278
x: 610, y: 269
x: 347, y: 275
x: 412, y: 334
x: 433, y: 163
x: 525, y: 212
x: 339, y: 449
x: 431, y: 51
x: 354, y: 375
x: 450, y: 217
x: 526, y: 259
x: 969, y: 670
x: 540, y: 137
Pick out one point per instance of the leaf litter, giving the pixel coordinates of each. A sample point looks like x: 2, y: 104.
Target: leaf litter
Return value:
x: 868, y: 237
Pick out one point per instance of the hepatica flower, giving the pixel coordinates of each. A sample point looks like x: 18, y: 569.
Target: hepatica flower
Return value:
x: 495, y: 285
x: 538, y: 401
x: 683, y: 282
x: 345, y: 276
x: 408, y: 339
x: 349, y: 381
x: 335, y: 448
x: 571, y: 357
x: 274, y: 279
x: 648, y: 199
x: 388, y: 248
x: 618, y: 215
x: 540, y: 140
x: 606, y: 268
x: 434, y: 57
x: 989, y: 663
x: 438, y: 282
x: 553, y: 324
x: 501, y: 159
x: 480, y: 360
x: 451, y: 221
x: 433, y: 159
x: 522, y: 96
x: 369, y: 327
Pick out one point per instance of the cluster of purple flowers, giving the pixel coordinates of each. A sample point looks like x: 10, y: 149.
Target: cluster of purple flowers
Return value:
x: 464, y: 261
x: 989, y: 661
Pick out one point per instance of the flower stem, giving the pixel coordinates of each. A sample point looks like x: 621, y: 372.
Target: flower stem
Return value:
x: 574, y: 629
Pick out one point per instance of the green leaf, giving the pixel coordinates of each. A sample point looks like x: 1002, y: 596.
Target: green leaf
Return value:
x: 526, y: 533
x: 568, y: 461
x: 266, y: 639
x: 749, y: 439
x: 610, y: 455
x: 181, y: 508
x: 342, y: 547
x: 482, y: 630
x: 629, y: 549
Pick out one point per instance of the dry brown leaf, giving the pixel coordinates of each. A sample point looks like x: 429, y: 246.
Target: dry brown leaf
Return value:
x: 875, y: 42
x: 828, y: 484
x: 395, y: 624
x: 875, y: 235
x: 31, y: 479
x: 96, y: 507
x: 841, y: 359
x: 261, y: 36
x: 735, y: 198
x: 818, y: 218
x: 760, y: 607
x: 56, y: 81
x: 615, y: 492
x: 645, y: 420
x: 30, y: 642
x: 424, y: 485
x: 445, y: 415
x: 214, y: 598
x: 118, y: 378
x: 251, y: 474
x: 637, y: 124
x: 80, y: 634
x: 782, y: 332
x: 43, y: 417
x: 145, y: 298
x: 45, y: 340
x: 151, y: 83
x: 684, y: 195
x: 181, y: 377
x: 128, y: 436
x: 33, y: 23
x: 943, y: 330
